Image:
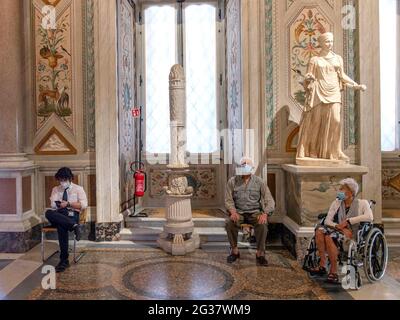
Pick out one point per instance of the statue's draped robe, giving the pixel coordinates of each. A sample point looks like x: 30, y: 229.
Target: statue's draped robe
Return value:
x: 321, y: 126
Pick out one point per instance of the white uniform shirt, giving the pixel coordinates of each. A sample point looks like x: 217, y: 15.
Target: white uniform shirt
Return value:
x: 75, y: 194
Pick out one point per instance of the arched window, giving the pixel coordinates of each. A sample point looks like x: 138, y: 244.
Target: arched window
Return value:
x: 390, y: 68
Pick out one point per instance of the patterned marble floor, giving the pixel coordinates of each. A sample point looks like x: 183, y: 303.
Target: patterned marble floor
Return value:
x: 152, y: 274
x: 109, y: 273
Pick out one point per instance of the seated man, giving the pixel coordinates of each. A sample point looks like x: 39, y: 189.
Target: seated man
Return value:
x: 248, y: 200
x: 67, y: 201
x: 341, y: 225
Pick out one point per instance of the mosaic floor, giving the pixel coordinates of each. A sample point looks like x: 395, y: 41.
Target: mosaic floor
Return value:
x: 152, y: 274
x: 148, y: 273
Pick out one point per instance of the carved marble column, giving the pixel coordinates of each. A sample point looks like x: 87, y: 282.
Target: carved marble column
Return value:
x: 178, y: 237
x: 108, y: 220
x: 18, y: 221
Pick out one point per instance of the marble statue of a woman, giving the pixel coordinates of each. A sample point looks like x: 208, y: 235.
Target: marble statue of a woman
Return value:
x: 320, y: 137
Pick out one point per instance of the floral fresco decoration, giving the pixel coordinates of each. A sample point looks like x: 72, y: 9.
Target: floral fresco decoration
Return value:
x: 53, y: 72
x: 304, y: 33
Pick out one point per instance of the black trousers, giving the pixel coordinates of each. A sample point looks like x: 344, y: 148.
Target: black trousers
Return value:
x: 64, y: 224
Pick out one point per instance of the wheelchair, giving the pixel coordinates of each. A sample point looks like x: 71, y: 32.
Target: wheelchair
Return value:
x: 369, y: 251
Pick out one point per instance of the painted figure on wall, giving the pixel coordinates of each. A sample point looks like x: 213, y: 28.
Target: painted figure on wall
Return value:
x: 320, y: 134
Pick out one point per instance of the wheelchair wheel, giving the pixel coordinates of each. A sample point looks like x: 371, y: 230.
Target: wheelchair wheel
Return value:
x: 311, y: 260
x: 375, y: 255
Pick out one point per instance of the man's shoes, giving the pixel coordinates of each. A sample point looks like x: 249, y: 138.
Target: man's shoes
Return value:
x: 233, y: 257
x: 262, y: 262
x: 62, y: 266
x: 77, y: 231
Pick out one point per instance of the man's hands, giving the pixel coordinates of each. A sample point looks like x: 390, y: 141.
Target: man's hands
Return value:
x: 235, y: 216
x: 63, y: 204
x: 263, y: 218
x: 73, y: 205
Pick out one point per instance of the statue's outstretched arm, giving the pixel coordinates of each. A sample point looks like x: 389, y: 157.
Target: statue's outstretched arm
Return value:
x: 347, y: 81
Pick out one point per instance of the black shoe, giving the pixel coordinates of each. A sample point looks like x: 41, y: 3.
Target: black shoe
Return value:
x: 77, y: 231
x: 62, y: 266
x: 261, y: 261
x: 233, y: 257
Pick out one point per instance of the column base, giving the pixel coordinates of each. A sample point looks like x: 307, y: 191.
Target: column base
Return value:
x: 19, y: 222
x: 108, y: 232
x: 19, y: 242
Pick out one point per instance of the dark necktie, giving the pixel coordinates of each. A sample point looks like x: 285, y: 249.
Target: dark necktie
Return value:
x: 65, y: 195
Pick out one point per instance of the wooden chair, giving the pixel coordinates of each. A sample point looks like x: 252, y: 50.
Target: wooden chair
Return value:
x: 46, y: 228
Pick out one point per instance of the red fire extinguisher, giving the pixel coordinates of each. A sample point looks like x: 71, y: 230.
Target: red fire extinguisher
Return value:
x: 140, y: 183
x: 140, y: 178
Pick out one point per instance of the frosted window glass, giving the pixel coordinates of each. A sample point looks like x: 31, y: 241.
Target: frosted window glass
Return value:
x: 388, y: 54
x: 201, y: 78
x: 160, y: 47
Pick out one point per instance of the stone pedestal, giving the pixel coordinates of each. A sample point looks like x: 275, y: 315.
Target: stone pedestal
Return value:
x: 178, y: 237
x: 309, y: 192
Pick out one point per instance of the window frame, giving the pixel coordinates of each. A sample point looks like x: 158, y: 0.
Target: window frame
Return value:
x: 180, y: 36
x: 395, y: 154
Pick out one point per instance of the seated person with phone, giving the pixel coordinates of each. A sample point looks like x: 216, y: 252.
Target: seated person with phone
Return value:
x: 67, y: 201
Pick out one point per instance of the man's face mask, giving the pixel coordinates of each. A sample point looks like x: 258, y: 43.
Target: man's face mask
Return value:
x: 65, y: 184
x: 244, y: 170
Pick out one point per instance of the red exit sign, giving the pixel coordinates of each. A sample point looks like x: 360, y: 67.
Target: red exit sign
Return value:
x: 136, y: 112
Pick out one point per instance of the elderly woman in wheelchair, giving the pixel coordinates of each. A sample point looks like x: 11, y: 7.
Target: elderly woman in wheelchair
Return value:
x: 347, y: 228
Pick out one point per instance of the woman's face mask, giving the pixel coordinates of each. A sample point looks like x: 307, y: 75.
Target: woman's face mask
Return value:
x: 344, y: 194
x: 244, y: 170
x: 341, y: 196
